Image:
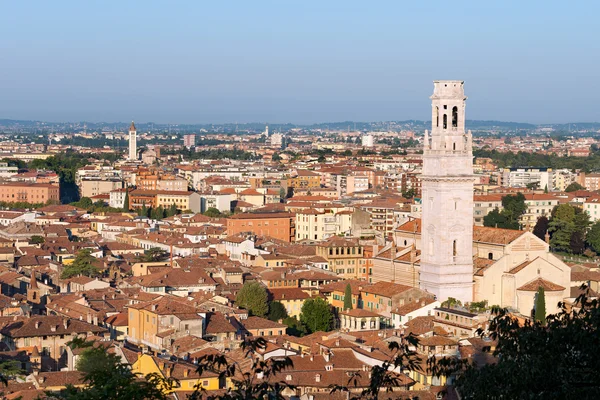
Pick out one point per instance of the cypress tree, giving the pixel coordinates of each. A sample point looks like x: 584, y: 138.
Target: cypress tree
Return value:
x: 540, y: 306
x: 348, y: 297
x: 126, y: 201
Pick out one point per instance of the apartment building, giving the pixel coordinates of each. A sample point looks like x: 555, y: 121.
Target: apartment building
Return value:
x: 521, y: 177
x: 344, y: 256
x: 95, y: 187
x: 14, y: 192
x: 164, y: 198
x: 305, y: 180
x: 278, y: 225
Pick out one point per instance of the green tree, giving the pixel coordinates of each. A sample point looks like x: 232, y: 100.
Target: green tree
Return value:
x: 409, y: 194
x: 154, y: 254
x: 172, y: 210
x: 295, y: 327
x: 513, y: 208
x: 282, y: 193
x: 36, y: 239
x: 212, y: 212
x: 348, y: 153
x: 82, y: 265
x: 11, y: 369
x: 573, y: 187
x: 157, y: 213
x: 540, y: 306
x: 495, y: 219
x: 126, y: 202
x: 107, y: 377
x: 143, y: 211
x: 541, y: 227
x: 277, y: 311
x: 567, y: 221
x: 276, y: 157
x: 316, y: 315
x: 565, y: 348
x: 84, y: 202
x: 253, y: 297
x: 321, y: 159
x: 348, y: 297
x: 593, y: 237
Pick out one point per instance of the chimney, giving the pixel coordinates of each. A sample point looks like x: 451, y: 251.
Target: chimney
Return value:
x: 186, y: 372
x: 318, y: 378
x: 37, y: 324
x: 66, y: 323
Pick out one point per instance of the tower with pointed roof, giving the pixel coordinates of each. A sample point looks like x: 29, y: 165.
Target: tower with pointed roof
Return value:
x: 447, y: 197
x: 132, y: 142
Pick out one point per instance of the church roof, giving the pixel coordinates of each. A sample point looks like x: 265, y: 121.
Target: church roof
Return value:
x: 132, y: 127
x: 535, y: 284
x: 486, y: 234
x: 480, y: 264
x: 521, y: 266
x: 481, y: 234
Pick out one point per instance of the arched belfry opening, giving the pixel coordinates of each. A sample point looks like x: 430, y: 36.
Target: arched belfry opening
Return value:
x: 445, y: 121
x: 454, y: 117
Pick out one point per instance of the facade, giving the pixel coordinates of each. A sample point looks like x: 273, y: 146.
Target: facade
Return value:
x: 132, y: 142
x: 189, y: 141
x: 344, y: 256
x: 117, y: 198
x: 14, y: 192
x: 278, y: 225
x: 367, y: 141
x: 305, y: 180
x: 446, y: 257
x: 93, y: 187
x: 164, y: 198
x: 540, y: 177
x: 320, y: 225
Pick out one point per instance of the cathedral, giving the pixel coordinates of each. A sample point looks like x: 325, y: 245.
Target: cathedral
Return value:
x: 443, y: 253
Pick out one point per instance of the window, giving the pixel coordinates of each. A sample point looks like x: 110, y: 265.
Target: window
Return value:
x: 437, y: 116
x: 490, y: 256
x: 454, y: 248
x: 454, y: 117
x: 445, y: 121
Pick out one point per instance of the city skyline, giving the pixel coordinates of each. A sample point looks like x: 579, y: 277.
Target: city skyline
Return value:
x: 273, y: 62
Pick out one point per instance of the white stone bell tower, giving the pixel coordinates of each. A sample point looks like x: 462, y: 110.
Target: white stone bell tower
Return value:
x: 447, y: 197
x: 132, y: 142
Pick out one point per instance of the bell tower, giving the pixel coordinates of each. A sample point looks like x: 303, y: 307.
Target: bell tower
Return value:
x: 132, y: 142
x: 447, y: 197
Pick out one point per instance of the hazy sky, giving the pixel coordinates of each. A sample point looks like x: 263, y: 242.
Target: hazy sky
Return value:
x: 296, y: 61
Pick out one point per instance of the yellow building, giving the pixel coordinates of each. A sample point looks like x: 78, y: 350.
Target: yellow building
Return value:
x: 153, y: 323
x: 182, y: 199
x: 305, y: 180
x: 292, y: 299
x: 344, y: 256
x: 186, y: 375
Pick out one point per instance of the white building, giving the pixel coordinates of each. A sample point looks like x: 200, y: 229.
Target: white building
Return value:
x: 117, y: 198
x: 520, y: 177
x: 277, y: 140
x: 368, y: 141
x: 447, y: 196
x: 132, y: 142
x: 220, y: 201
x: 189, y: 140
